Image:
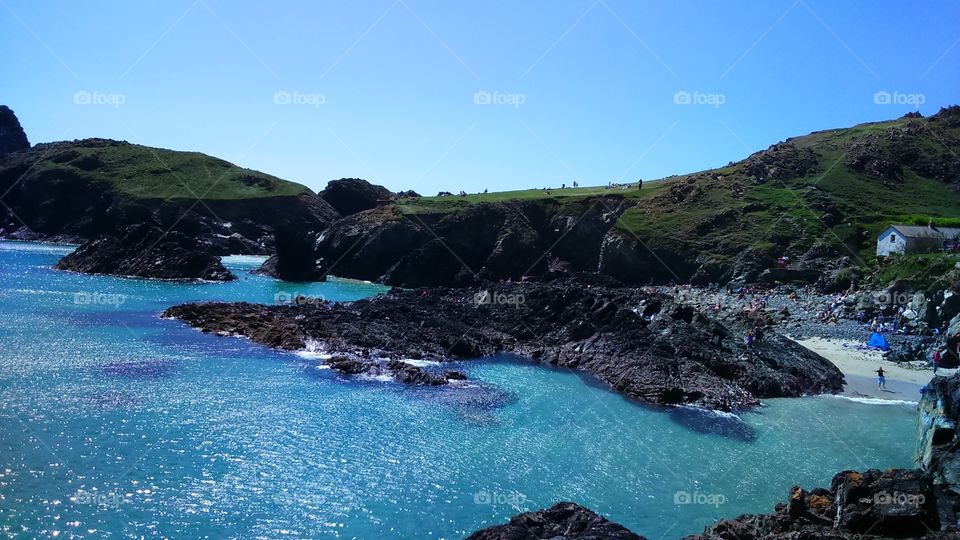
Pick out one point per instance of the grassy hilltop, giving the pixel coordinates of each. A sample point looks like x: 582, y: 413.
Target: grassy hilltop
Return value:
x: 149, y: 173
x: 836, y: 187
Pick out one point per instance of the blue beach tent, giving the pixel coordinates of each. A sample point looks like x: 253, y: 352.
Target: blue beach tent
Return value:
x: 878, y: 342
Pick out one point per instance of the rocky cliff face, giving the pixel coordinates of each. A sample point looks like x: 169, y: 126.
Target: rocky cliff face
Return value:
x: 486, y: 241
x: 938, y: 450
x: 12, y: 136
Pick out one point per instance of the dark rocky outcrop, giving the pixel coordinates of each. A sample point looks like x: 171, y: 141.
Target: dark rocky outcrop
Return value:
x: 562, y: 521
x: 146, y: 251
x: 12, y: 136
x: 403, y: 372
x: 644, y: 345
x: 896, y: 503
x: 781, y: 161
x: 868, y: 156
x: 296, y: 256
x: 351, y: 195
x: 486, y: 241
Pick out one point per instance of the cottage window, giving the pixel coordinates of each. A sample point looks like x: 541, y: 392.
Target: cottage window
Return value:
x: 893, y: 238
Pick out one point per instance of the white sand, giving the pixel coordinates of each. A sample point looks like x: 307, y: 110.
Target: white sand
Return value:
x: 860, y: 366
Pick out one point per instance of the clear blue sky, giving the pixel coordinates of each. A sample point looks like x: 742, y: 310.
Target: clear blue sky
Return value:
x: 579, y: 89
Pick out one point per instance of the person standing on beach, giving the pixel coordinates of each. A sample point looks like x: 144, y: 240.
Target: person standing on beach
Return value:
x: 936, y: 361
x: 881, y: 380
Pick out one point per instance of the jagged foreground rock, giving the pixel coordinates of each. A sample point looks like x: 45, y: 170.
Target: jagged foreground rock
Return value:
x: 146, y: 251
x: 567, y: 521
x: 644, y: 345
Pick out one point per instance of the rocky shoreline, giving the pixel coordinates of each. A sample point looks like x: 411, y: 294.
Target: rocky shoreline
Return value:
x: 654, y: 344
x: 645, y: 345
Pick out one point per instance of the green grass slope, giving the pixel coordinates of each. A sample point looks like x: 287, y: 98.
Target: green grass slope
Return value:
x: 838, y: 187
x: 151, y: 173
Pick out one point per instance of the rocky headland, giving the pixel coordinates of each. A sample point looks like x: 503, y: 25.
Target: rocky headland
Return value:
x: 145, y: 251
x: 76, y: 191
x: 645, y: 345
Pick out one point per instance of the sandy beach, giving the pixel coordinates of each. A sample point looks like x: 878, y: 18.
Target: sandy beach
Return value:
x: 859, y: 368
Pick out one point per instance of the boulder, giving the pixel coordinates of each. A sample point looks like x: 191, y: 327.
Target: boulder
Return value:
x: 896, y: 503
x: 411, y: 374
x: 349, y: 196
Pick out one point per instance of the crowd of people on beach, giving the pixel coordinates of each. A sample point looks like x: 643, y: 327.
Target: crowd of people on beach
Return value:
x: 750, y: 304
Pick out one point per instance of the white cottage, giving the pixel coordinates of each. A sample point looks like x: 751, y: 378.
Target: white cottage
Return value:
x: 907, y: 239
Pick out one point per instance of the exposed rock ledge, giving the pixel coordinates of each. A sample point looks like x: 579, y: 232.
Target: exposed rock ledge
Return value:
x: 643, y: 344
x: 146, y: 251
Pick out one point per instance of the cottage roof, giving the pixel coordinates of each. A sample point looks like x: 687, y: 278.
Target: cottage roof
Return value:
x: 920, y: 231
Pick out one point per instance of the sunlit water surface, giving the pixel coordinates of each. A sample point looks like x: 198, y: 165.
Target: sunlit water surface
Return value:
x: 116, y: 423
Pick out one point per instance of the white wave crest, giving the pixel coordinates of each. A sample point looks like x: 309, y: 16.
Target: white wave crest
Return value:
x: 875, y: 401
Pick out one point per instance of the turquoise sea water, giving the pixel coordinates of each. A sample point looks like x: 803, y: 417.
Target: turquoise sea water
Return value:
x: 116, y: 423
